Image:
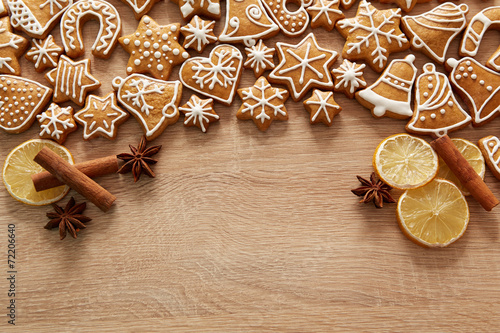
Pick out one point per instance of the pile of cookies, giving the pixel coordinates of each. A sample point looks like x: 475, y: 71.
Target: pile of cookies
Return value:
x: 155, y: 51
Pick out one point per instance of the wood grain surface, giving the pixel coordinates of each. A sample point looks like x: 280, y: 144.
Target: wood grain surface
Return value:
x: 248, y: 231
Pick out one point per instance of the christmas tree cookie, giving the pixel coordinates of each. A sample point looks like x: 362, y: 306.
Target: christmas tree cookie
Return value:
x: 437, y: 112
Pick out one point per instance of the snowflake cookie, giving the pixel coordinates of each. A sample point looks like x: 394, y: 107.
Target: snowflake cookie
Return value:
x: 479, y: 88
x: 44, y: 53
x: 348, y: 78
x: 247, y: 22
x: 487, y: 19
x: 291, y: 23
x: 259, y: 58
x: 56, y: 123
x: 262, y: 103
x: 12, y: 47
x: 217, y: 76
x: 75, y: 17
x: 72, y: 80
x: 140, y: 7
x: 36, y: 17
x: 372, y: 35
x: 206, y: 8
x: 322, y: 107
x: 152, y: 102
x: 490, y: 148
x: 325, y: 13
x: 199, y: 112
x: 101, y: 117
x: 390, y: 95
x: 20, y: 101
x: 154, y: 48
x: 303, y: 66
x: 432, y: 32
x: 198, y: 34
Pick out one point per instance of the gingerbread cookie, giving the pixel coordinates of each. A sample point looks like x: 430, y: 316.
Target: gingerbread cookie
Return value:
x: 489, y: 147
x: 36, y: 17
x: 259, y: 58
x: 346, y: 4
x: 432, y: 32
x: 12, y: 47
x: 44, y: 53
x: 198, y: 34
x: 3, y: 9
x: 291, y: 23
x: 199, y: 112
x: 390, y: 95
x: 101, y: 117
x: 140, y: 7
x: 325, y: 13
x: 372, y: 35
x: 406, y: 5
x: 489, y: 18
x: 246, y: 22
x: 322, y: 107
x: 75, y: 17
x: 303, y: 66
x: 262, y: 103
x: 20, y: 101
x: 72, y: 80
x: 348, y: 78
x: 479, y: 88
x: 217, y: 76
x: 206, y: 8
x: 152, y: 102
x: 154, y: 48
x: 437, y: 111
x: 56, y: 123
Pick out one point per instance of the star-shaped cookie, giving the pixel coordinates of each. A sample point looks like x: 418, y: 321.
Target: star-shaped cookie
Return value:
x: 72, y: 80
x: 199, y: 112
x: 262, y: 103
x: 56, y: 123
x: 101, y: 117
x: 372, y: 35
x: 154, y: 48
x: 259, y: 58
x: 198, y: 34
x: 303, y: 66
x: 44, y: 53
x: 348, y: 78
x: 325, y: 13
x: 322, y: 107
x: 12, y: 46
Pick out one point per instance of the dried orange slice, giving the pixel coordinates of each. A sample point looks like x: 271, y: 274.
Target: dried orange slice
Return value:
x: 434, y: 215
x: 405, y: 162
x: 19, y: 166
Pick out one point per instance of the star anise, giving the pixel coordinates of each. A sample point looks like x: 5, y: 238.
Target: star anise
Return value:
x: 140, y: 159
x: 374, y: 190
x: 69, y: 219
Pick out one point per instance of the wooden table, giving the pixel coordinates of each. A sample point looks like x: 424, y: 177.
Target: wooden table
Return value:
x: 248, y: 231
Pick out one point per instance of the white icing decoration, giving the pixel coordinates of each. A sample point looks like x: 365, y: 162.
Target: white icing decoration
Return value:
x: 489, y: 88
x: 54, y: 121
x: 384, y: 104
x: 376, y: 32
x: 223, y: 73
x: 492, y: 145
x: 322, y: 79
x: 11, y: 44
x: 187, y: 8
x: 263, y: 102
x: 299, y: 15
x: 259, y: 57
x: 198, y: 33
x: 447, y: 18
x: 349, y: 76
x: 135, y: 102
x: 109, y: 27
x: 94, y: 110
x: 139, y: 6
x: 237, y: 28
x: 475, y: 32
x: 441, y: 96
x: 198, y: 111
x: 325, y: 9
x: 323, y: 105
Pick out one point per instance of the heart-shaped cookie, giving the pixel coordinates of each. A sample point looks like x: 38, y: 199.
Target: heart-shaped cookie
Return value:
x: 217, y: 76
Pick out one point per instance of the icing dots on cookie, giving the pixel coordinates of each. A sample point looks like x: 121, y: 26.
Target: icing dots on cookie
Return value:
x: 291, y: 23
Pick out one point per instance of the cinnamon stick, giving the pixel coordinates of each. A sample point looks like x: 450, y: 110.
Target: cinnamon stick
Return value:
x: 94, y: 168
x: 74, y: 178
x: 464, y: 172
